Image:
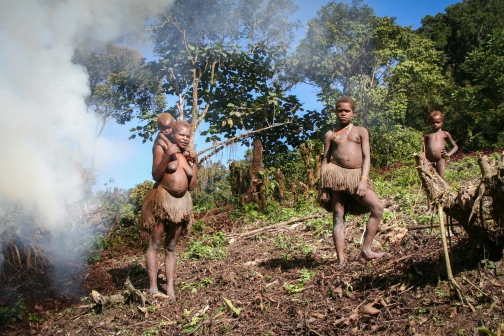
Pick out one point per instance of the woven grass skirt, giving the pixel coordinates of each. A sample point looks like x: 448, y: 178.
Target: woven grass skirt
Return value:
x: 347, y: 180
x: 160, y: 205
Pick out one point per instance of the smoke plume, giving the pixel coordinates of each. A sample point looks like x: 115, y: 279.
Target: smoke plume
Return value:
x: 46, y: 132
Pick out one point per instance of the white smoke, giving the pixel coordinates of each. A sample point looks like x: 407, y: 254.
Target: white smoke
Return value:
x: 45, y: 129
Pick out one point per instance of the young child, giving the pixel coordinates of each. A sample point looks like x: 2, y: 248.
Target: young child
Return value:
x: 434, y: 145
x: 168, y: 207
x: 345, y: 179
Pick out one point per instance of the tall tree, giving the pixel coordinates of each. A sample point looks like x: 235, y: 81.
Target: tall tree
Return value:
x: 220, y: 59
x: 463, y: 27
x: 478, y: 106
x: 349, y: 50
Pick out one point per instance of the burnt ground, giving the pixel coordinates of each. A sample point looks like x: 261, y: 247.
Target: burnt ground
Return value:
x: 279, y: 283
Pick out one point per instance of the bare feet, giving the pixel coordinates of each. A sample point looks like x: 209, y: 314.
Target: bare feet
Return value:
x: 367, y: 256
x: 170, y: 293
x: 153, y: 290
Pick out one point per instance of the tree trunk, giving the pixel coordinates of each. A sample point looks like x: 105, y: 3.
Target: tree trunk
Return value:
x: 280, y: 178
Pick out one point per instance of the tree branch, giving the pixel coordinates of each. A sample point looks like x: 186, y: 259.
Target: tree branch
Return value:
x: 215, y: 148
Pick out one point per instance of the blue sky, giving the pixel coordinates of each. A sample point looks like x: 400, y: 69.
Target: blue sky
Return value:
x: 134, y: 164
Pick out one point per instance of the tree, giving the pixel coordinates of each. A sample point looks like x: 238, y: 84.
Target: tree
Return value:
x: 393, y: 74
x: 120, y: 85
x: 479, y: 104
x: 220, y: 59
x: 465, y: 26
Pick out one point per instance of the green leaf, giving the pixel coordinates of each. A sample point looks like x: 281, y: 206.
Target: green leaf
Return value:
x: 235, y: 310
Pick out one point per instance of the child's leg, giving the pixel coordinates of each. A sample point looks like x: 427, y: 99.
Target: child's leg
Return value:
x: 374, y: 204
x: 155, y: 238
x: 338, y: 208
x: 172, y: 235
x: 440, y: 167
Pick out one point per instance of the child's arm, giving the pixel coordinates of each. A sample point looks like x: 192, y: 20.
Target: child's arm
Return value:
x: 366, y: 162
x: 454, y: 145
x: 193, y: 180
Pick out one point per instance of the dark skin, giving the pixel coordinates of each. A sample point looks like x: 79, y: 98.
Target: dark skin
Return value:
x: 434, y: 144
x: 164, y: 139
x: 177, y: 183
x: 352, y: 152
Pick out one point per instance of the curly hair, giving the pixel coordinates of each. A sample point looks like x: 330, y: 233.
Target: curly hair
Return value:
x: 346, y: 99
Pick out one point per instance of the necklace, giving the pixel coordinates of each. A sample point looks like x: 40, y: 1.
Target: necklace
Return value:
x: 339, y: 136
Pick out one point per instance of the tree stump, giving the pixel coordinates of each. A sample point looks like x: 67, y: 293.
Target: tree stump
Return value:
x: 466, y: 205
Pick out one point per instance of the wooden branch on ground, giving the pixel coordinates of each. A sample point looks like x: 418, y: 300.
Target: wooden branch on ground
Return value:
x: 129, y: 294
x: 273, y: 227
x: 421, y: 227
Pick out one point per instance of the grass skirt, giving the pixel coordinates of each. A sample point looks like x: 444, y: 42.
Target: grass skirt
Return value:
x: 159, y: 204
x: 347, y: 180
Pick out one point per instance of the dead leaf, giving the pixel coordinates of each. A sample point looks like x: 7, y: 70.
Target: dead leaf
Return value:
x: 38, y: 308
x: 144, y: 311
x: 496, y: 283
x: 368, y: 309
x: 500, y: 330
x: 453, y: 312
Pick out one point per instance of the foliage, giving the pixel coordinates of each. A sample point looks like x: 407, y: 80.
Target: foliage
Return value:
x: 11, y: 315
x: 132, y: 207
x: 120, y: 84
x: 391, y: 72
x: 213, y: 189
x: 395, y: 145
x: 469, y: 35
x: 207, y: 247
x: 299, y: 285
x: 480, y: 109
x: 220, y: 60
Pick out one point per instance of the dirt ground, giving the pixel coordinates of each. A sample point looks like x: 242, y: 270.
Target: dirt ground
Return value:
x: 268, y: 285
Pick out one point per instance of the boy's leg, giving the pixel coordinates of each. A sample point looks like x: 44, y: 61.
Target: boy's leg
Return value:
x: 155, y: 238
x: 440, y: 167
x: 371, y: 201
x: 172, y: 234
x: 338, y: 209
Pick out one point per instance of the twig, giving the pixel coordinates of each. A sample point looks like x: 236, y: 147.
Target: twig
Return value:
x: 447, y: 257
x: 273, y: 227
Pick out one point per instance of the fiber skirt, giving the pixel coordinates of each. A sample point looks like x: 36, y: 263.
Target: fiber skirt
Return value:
x: 159, y: 206
x: 347, y: 180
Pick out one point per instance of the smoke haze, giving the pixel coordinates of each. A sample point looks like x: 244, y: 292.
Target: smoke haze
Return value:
x: 46, y: 132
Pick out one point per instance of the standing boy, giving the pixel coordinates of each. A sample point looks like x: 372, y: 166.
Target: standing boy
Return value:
x: 168, y: 207
x: 345, y: 179
x: 434, y: 145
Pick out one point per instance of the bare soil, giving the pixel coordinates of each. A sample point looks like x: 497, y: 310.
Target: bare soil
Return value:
x: 405, y: 295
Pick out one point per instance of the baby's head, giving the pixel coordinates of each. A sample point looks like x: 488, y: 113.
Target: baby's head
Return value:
x: 436, y: 120
x: 165, y: 123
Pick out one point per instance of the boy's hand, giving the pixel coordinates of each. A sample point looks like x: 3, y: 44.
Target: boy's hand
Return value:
x: 444, y: 152
x: 362, y: 188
